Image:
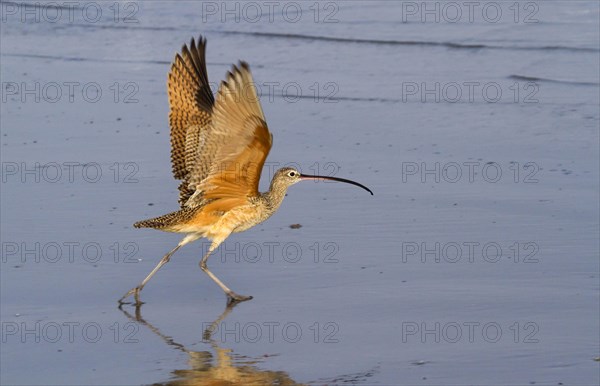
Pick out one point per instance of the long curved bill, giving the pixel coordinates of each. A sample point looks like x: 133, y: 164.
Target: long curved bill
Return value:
x: 309, y: 177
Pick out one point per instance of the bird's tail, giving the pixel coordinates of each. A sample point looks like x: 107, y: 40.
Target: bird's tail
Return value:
x: 156, y: 222
x: 166, y: 221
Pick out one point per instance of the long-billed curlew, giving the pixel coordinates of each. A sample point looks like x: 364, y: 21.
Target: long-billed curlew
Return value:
x: 218, y: 149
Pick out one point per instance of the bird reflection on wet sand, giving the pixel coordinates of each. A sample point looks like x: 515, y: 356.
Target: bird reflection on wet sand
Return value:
x: 225, y: 367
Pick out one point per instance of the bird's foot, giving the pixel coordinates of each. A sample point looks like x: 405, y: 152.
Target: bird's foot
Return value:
x: 233, y: 298
x: 136, y: 295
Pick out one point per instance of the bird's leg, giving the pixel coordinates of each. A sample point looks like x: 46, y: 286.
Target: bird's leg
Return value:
x: 232, y: 297
x: 136, y: 291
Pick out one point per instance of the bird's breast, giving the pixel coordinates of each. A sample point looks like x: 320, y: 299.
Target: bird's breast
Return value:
x: 249, y: 217
x: 216, y: 222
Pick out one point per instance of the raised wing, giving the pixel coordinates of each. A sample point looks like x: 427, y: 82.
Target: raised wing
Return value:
x: 242, y: 139
x: 191, y: 102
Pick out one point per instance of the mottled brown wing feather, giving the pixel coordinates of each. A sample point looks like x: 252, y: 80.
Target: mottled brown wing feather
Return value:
x: 242, y: 139
x: 191, y: 102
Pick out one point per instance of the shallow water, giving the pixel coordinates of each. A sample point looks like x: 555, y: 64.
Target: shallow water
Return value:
x: 475, y: 262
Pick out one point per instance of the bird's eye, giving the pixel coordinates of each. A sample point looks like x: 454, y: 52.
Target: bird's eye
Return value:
x: 292, y: 174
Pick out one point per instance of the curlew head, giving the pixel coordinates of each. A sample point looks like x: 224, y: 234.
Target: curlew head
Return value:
x: 286, y: 177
